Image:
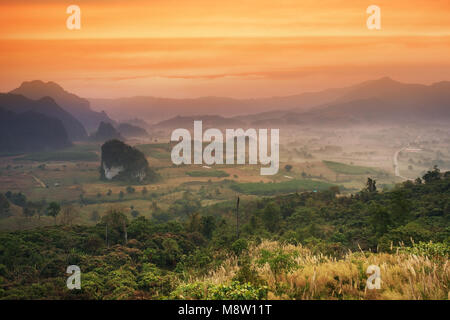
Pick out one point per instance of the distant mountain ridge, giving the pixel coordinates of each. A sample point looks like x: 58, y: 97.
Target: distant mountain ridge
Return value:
x: 381, y: 101
x: 128, y: 130
x: 75, y: 105
x: 30, y: 131
x: 386, y: 100
x: 46, y: 106
x: 356, y: 104
x: 105, y: 132
x: 154, y: 109
x: 208, y: 121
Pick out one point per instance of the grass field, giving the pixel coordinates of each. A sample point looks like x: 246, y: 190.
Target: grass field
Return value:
x: 208, y: 173
x: 157, y: 150
x: 304, y: 275
x: 349, y: 169
x: 281, y: 187
x: 61, y: 156
x: 78, y: 152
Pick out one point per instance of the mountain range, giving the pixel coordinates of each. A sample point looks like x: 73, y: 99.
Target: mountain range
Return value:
x: 154, y: 109
x: 30, y: 131
x: 46, y: 106
x: 75, y: 105
x: 381, y: 101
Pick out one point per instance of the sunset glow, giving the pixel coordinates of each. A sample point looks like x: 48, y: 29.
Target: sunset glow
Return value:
x: 226, y: 48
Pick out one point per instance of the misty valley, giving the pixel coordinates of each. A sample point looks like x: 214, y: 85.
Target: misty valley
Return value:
x: 363, y: 179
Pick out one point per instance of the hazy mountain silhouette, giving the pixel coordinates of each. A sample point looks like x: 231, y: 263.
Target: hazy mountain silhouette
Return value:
x: 381, y: 101
x: 208, y: 121
x: 128, y: 130
x: 46, y: 106
x: 30, y: 131
x: 376, y: 101
x: 389, y: 100
x: 105, y: 132
x: 155, y: 109
x: 78, y: 107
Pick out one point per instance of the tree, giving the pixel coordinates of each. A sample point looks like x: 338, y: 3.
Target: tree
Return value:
x: 400, y: 207
x: 379, y: 218
x: 130, y: 189
x: 334, y: 190
x: 271, y: 216
x: 135, y: 213
x: 28, y: 211
x: 18, y: 199
x: 288, y: 168
x: 69, y: 214
x: 95, y: 216
x: 4, y: 206
x: 53, y: 210
x: 121, y: 194
x: 40, y: 205
x: 144, y: 191
x: 154, y: 207
x: 433, y: 175
x: 207, y: 226
x: 371, y: 185
x: 116, y: 223
x: 194, y: 222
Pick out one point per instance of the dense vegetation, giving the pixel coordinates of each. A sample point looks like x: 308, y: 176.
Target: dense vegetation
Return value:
x: 290, y: 246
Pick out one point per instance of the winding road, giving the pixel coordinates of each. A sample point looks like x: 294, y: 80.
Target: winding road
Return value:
x: 396, y: 166
x: 395, y: 159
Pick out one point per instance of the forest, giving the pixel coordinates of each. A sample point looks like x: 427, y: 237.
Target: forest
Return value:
x: 308, y: 245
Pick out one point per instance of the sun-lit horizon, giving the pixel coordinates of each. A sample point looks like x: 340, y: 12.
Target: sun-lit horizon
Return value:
x: 240, y: 49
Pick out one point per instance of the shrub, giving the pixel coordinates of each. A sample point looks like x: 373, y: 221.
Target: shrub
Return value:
x: 278, y: 260
x: 428, y: 249
x: 207, y: 291
x: 239, y: 246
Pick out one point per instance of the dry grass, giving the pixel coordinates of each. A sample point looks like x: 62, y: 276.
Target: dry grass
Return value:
x: 403, y: 275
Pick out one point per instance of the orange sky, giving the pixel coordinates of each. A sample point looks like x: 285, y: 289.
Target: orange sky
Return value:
x: 237, y: 48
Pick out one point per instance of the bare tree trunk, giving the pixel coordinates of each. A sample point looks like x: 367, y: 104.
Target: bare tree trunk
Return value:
x: 237, y: 218
x: 126, y: 234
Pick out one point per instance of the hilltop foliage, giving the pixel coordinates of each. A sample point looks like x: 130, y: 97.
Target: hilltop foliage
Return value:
x: 312, y: 245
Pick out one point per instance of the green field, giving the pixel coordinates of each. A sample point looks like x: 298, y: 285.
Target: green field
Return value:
x: 281, y: 187
x: 77, y: 152
x: 208, y: 173
x: 349, y: 169
x: 61, y: 156
x: 158, y: 150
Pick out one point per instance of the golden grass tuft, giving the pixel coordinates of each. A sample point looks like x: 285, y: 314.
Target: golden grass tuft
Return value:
x: 403, y: 275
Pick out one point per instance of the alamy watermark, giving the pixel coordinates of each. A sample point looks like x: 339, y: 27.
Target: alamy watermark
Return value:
x: 374, y: 279
x: 214, y: 152
x: 74, y: 280
x: 73, y: 22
